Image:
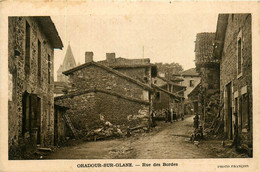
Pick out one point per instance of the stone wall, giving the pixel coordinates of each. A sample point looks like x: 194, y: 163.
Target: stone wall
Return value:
x: 237, y: 24
x: 141, y: 74
x: 118, y: 99
x: 21, y: 84
x: 97, y: 77
x: 86, y: 111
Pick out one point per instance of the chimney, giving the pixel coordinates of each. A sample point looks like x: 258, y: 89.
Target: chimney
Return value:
x: 111, y: 57
x: 88, y: 57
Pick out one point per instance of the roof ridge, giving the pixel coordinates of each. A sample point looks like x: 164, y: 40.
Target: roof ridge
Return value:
x: 166, y: 80
x: 110, y: 70
x: 176, y: 96
x: 77, y: 93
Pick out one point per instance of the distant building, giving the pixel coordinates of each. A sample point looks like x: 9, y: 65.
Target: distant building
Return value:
x: 169, y: 86
x: 167, y: 95
x: 233, y: 48
x: 188, y: 78
x: 31, y: 43
x: 193, y: 100
x: 60, y: 86
x: 68, y: 63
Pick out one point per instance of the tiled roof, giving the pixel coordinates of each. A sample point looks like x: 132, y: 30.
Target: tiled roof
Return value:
x: 176, y: 79
x: 220, y: 34
x: 170, y: 82
x: 50, y: 31
x: 167, y: 92
x: 195, y: 90
x: 120, y: 62
x: 190, y: 72
x: 126, y: 62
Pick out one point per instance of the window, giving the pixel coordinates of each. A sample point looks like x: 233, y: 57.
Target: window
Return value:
x: 39, y: 61
x: 170, y: 88
x: 27, y: 49
x: 239, y: 54
x: 191, y: 83
x: 158, y: 96
x: 49, y: 69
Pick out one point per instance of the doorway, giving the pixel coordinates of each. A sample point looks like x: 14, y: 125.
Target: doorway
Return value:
x: 229, y: 112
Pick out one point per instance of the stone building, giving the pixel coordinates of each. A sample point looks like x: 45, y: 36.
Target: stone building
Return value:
x: 233, y: 48
x: 193, y: 99
x: 169, y: 86
x: 31, y: 43
x: 167, y: 95
x: 165, y: 100
x: 98, y: 92
x: 190, y: 79
x: 208, y: 69
x: 139, y: 69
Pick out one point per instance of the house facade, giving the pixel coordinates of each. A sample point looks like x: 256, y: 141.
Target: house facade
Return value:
x: 167, y: 95
x: 31, y: 43
x: 190, y: 79
x: 98, y: 92
x: 234, y: 50
x: 166, y: 100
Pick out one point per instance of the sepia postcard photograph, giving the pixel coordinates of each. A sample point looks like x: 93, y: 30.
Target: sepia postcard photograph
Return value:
x: 132, y: 85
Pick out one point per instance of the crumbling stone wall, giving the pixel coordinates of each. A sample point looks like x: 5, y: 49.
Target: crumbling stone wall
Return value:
x: 228, y: 68
x: 209, y: 94
x: 208, y: 68
x: 85, y: 111
x: 21, y: 84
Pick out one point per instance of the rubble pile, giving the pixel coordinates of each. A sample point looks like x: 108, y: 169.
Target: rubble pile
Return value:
x: 107, y: 131
x: 160, y: 114
x: 212, y: 109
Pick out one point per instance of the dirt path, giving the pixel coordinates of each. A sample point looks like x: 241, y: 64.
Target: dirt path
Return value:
x: 166, y: 141
x: 172, y: 142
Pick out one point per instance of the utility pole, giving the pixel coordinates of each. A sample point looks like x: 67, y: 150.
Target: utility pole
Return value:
x: 143, y: 51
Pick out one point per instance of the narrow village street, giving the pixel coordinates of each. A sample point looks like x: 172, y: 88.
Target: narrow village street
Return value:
x: 123, y: 81
x: 166, y: 141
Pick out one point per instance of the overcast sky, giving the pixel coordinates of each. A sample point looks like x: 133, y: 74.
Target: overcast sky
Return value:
x: 167, y: 35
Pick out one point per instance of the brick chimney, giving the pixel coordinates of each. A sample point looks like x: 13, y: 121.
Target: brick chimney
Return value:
x: 88, y: 57
x: 111, y: 57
